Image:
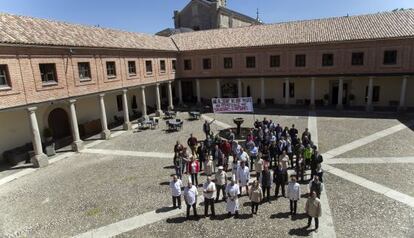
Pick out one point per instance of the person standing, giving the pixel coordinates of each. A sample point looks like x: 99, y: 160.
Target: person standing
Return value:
x: 209, y: 191
x: 293, y: 193
x: 259, y: 166
x: 177, y: 161
x: 316, y: 161
x: 284, y: 160
x: 232, y: 191
x: 192, y: 143
x: 221, y: 182
x: 314, y: 210
x: 315, y: 186
x: 207, y: 127
x: 253, y: 156
x: 243, y: 176
x: 279, y: 178
x: 202, y: 155
x: 256, y: 196
x: 193, y: 169
x: 266, y: 179
x: 217, y: 157
x: 209, y: 166
x: 175, y: 186
x: 190, y: 198
x: 226, y: 149
x: 306, y: 136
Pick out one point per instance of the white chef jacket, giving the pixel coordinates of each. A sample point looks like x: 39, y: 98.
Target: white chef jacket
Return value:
x: 190, y: 194
x: 176, y: 187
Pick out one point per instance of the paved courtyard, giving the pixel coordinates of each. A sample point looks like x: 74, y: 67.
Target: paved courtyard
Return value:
x: 120, y: 188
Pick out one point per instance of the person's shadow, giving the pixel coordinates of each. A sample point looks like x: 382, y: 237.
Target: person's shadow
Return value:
x: 300, y: 232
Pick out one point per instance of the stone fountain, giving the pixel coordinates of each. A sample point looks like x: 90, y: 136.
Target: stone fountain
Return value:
x: 239, y: 131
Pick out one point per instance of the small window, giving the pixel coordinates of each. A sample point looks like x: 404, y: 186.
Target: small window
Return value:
x: 327, y: 60
x: 250, y: 62
x: 274, y: 61
x: 375, y: 93
x: 357, y: 58
x: 174, y: 65
x: 148, y: 66
x: 4, y: 76
x: 390, y: 57
x: 291, y: 90
x: 119, y: 103
x: 300, y: 60
x: 132, y: 68
x: 187, y: 64
x: 162, y: 66
x: 84, y: 71
x: 228, y: 62
x: 48, y: 73
x: 110, y: 69
x: 207, y: 63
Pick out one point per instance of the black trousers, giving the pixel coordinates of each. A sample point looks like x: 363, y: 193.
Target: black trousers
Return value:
x: 194, y: 179
x: 223, y: 189
x: 278, y: 185
x: 194, y: 209
x: 266, y: 190
x: 255, y: 207
x: 293, y: 206
x: 316, y: 221
x: 176, y: 200
x: 209, y: 202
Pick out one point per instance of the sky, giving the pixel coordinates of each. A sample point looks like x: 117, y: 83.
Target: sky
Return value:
x: 155, y: 15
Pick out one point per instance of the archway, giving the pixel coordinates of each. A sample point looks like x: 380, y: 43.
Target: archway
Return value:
x: 59, y: 123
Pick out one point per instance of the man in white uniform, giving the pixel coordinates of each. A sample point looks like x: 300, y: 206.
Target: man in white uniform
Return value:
x: 243, y: 176
x: 209, y: 191
x: 175, y: 186
x: 232, y: 191
x: 190, y: 197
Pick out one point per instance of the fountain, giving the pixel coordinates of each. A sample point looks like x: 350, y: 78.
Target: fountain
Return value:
x: 238, y: 121
x: 240, y: 132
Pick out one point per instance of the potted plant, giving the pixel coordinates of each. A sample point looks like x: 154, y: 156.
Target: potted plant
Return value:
x: 50, y: 145
x: 351, y: 99
x: 326, y: 99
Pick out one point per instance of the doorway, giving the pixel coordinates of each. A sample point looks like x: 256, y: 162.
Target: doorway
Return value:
x: 335, y: 91
x: 59, y: 123
x: 188, y: 92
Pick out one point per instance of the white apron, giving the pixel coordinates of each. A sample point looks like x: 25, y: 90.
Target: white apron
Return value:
x: 233, y: 191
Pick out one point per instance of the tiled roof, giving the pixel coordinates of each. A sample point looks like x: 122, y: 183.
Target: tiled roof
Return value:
x: 27, y: 30
x: 397, y: 24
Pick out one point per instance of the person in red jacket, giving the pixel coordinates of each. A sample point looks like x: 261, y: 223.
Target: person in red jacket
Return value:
x: 226, y: 149
x: 193, y: 169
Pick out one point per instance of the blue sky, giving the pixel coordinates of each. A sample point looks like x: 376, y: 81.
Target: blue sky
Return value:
x: 152, y: 16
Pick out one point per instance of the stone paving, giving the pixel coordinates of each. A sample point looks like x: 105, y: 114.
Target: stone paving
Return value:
x: 89, y: 191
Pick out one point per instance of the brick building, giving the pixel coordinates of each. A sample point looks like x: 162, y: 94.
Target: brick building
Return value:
x: 75, y: 79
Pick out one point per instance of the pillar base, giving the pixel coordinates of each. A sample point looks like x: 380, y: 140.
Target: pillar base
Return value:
x: 312, y: 107
x: 105, y: 135
x: 262, y: 105
x: 286, y: 106
x: 368, y: 108
x: 339, y: 107
x: 127, y: 126
x: 159, y: 113
x: 77, y: 146
x: 39, y: 161
x: 402, y: 109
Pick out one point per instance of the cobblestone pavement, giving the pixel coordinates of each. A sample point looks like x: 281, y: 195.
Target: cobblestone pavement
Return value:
x: 88, y: 191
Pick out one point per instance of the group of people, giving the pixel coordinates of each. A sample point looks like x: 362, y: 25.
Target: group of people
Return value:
x: 269, y: 149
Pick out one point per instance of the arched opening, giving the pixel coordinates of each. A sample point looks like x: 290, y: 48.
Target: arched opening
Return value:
x: 59, y: 123
x: 249, y: 94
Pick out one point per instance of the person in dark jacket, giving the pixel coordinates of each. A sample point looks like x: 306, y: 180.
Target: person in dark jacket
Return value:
x: 206, y: 127
x: 279, y: 178
x: 202, y: 154
x: 266, y: 179
x: 315, y: 186
x: 316, y: 160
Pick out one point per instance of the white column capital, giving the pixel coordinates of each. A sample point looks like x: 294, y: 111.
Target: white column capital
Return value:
x: 142, y: 87
x: 124, y: 91
x: 157, y: 84
x: 371, y: 77
x: 32, y: 109
x: 72, y: 101
x: 406, y: 76
x: 101, y: 95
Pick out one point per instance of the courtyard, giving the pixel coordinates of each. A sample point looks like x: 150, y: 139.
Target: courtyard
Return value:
x: 119, y: 187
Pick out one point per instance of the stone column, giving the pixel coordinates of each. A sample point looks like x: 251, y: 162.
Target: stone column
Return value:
x: 312, y: 94
x: 39, y: 159
x: 340, y: 93
x: 403, y: 92
x: 262, y: 93
x: 198, y: 91
x: 144, y: 102
x: 180, y: 93
x: 218, y: 87
x: 77, y: 144
x: 239, y: 88
x: 287, y: 89
x: 170, y: 97
x: 105, y: 134
x: 369, y: 96
x: 158, y: 100
x: 127, y: 124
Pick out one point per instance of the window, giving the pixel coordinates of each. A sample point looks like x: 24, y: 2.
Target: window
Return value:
x: 119, y: 103
x: 132, y: 68
x: 327, y: 60
x: 228, y: 62
x: 300, y: 60
x: 48, y: 73
x: 390, y: 57
x: 148, y: 66
x: 274, y: 61
x: 84, y: 71
x: 110, y: 69
x: 375, y: 93
x: 4, y: 76
x: 187, y: 64
x: 174, y: 65
x: 162, y: 66
x: 291, y: 90
x: 357, y: 58
x: 250, y: 62
x: 207, y: 63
